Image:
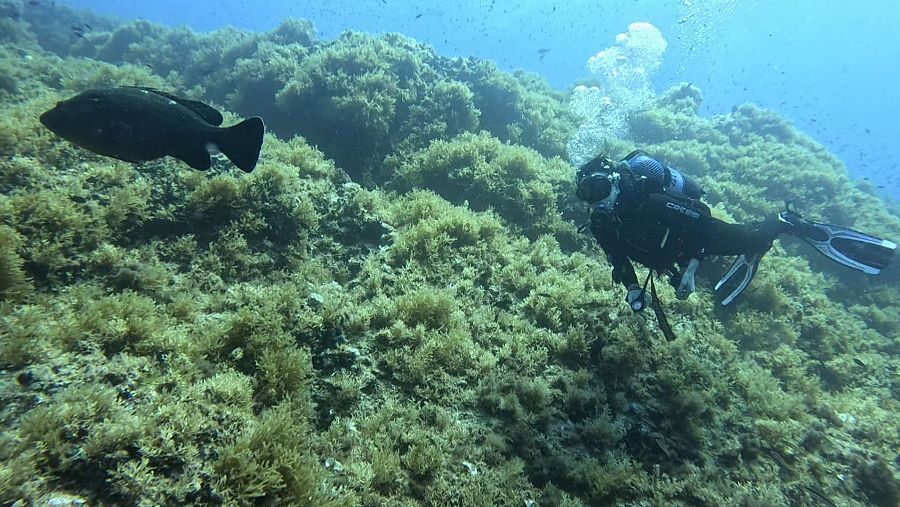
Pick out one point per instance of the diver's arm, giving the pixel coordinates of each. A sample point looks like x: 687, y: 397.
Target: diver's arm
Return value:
x: 623, y: 271
x: 605, y: 226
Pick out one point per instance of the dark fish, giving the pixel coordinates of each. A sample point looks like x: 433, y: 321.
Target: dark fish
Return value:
x: 419, y: 15
x: 139, y: 124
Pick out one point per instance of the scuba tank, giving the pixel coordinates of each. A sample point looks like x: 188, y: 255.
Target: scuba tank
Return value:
x: 674, y: 195
x: 669, y: 179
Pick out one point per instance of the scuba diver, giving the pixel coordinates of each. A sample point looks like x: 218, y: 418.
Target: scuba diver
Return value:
x: 646, y: 212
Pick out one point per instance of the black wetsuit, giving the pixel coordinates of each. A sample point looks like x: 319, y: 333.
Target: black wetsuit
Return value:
x: 662, y: 228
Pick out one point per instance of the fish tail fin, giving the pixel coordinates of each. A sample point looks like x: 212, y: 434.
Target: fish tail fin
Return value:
x: 241, y: 143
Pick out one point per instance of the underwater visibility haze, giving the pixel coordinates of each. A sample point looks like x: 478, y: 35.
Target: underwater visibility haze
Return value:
x: 412, y: 267
x: 820, y: 64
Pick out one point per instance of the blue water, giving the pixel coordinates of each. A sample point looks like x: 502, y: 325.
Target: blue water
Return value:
x: 830, y: 67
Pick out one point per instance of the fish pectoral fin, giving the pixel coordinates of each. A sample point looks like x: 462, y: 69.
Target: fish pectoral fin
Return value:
x: 195, y: 156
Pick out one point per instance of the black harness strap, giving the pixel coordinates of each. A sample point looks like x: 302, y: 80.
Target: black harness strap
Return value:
x: 657, y: 307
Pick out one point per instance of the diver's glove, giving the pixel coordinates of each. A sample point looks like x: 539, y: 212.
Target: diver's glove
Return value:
x: 637, y: 298
x: 687, y: 285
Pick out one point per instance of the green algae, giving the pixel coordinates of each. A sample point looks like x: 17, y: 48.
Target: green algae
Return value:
x: 358, y: 98
x: 440, y: 335
x: 517, y: 183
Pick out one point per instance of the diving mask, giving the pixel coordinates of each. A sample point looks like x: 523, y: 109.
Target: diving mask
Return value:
x: 597, y: 183
x: 600, y: 189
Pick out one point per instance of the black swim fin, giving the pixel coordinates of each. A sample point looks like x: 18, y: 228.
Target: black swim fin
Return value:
x: 846, y: 246
x: 747, y: 262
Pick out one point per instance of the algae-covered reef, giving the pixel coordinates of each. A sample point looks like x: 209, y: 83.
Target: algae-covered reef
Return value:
x: 416, y: 322
x: 358, y: 98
